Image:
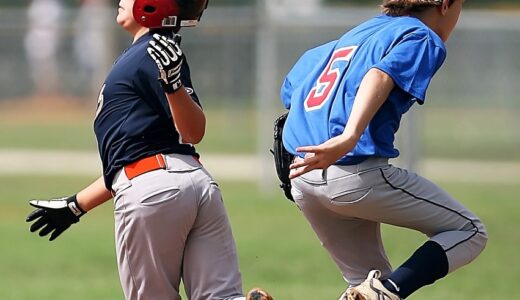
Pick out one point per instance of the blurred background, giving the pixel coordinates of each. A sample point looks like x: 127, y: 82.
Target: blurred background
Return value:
x: 55, y: 54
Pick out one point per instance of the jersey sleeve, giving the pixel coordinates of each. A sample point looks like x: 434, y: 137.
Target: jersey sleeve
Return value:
x: 286, y: 92
x: 186, y: 81
x: 412, y: 63
x: 147, y: 85
x: 291, y: 81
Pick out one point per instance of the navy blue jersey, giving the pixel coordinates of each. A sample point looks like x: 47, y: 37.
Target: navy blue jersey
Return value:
x: 133, y: 118
x: 321, y: 87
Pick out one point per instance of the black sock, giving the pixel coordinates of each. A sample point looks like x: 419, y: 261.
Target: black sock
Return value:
x: 425, y: 266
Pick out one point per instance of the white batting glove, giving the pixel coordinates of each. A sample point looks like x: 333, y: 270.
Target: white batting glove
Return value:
x: 168, y: 56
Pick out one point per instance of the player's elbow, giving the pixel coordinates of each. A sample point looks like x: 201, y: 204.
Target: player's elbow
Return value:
x: 191, y: 129
x: 192, y: 140
x: 194, y: 136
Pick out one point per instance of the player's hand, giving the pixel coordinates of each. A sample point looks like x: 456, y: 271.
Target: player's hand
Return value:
x: 321, y: 156
x: 168, y: 56
x: 55, y: 215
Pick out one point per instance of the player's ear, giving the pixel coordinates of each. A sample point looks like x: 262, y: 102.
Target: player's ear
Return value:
x: 444, y: 7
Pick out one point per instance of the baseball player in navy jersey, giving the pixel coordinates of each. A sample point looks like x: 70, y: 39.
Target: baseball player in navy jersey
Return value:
x: 345, y: 100
x: 170, y: 221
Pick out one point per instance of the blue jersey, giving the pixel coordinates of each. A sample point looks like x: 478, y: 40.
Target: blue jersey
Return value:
x: 133, y: 118
x: 321, y: 87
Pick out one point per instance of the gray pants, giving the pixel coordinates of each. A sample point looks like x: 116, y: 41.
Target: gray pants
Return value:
x: 345, y: 206
x: 171, y: 225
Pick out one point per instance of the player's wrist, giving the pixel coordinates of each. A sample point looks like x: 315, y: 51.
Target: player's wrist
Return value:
x: 172, y: 87
x: 74, y: 206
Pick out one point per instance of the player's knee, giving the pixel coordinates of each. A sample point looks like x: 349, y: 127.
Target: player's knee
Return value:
x: 482, y: 236
x: 479, y: 239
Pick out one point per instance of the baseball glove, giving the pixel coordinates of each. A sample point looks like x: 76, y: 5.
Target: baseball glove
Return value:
x: 282, y: 158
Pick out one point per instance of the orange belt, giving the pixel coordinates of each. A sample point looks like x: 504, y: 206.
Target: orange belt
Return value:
x: 145, y: 165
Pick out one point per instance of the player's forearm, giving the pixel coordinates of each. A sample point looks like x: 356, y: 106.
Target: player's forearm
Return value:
x: 93, y: 195
x: 189, y: 118
x: 373, y: 92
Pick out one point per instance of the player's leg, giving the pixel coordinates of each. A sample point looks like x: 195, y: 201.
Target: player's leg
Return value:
x: 354, y: 244
x: 154, y: 213
x: 210, y: 266
x: 405, y: 199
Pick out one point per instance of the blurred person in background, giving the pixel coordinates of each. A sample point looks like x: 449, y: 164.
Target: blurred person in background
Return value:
x: 93, y: 43
x: 41, y: 45
x: 305, y: 7
x: 345, y: 100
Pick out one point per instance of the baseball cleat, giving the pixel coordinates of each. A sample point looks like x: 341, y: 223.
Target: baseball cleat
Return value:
x: 258, y: 294
x: 370, y: 289
x: 343, y: 296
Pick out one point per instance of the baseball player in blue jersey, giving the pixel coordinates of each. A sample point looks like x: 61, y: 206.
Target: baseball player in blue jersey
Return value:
x: 170, y: 220
x: 345, y: 100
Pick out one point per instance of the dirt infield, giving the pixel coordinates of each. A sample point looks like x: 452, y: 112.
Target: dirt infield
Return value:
x: 18, y: 162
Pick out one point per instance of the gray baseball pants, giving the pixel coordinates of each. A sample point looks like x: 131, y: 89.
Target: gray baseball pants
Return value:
x: 346, y: 205
x: 171, y: 224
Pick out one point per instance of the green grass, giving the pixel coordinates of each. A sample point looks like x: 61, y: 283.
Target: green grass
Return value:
x: 230, y: 131
x: 455, y: 132
x: 45, y: 136
x: 469, y: 133
x: 277, y: 249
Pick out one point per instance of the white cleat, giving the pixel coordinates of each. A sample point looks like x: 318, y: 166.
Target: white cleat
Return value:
x: 371, y: 289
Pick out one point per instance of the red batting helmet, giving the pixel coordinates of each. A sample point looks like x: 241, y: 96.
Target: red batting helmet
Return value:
x: 168, y: 13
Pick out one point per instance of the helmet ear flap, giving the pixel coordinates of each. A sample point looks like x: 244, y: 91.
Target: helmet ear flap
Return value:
x: 168, y: 13
x: 154, y: 13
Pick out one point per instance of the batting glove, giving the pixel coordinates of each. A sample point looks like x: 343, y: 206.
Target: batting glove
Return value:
x: 168, y: 56
x: 55, y: 215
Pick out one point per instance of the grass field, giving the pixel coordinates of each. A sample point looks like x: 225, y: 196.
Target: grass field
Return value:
x: 71, y: 128
x: 277, y: 249
x: 458, y: 132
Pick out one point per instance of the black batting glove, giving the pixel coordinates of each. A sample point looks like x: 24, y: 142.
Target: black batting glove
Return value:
x: 55, y: 215
x: 168, y: 56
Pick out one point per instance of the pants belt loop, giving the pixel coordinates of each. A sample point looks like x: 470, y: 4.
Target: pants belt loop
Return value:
x: 161, y: 160
x: 164, y: 161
